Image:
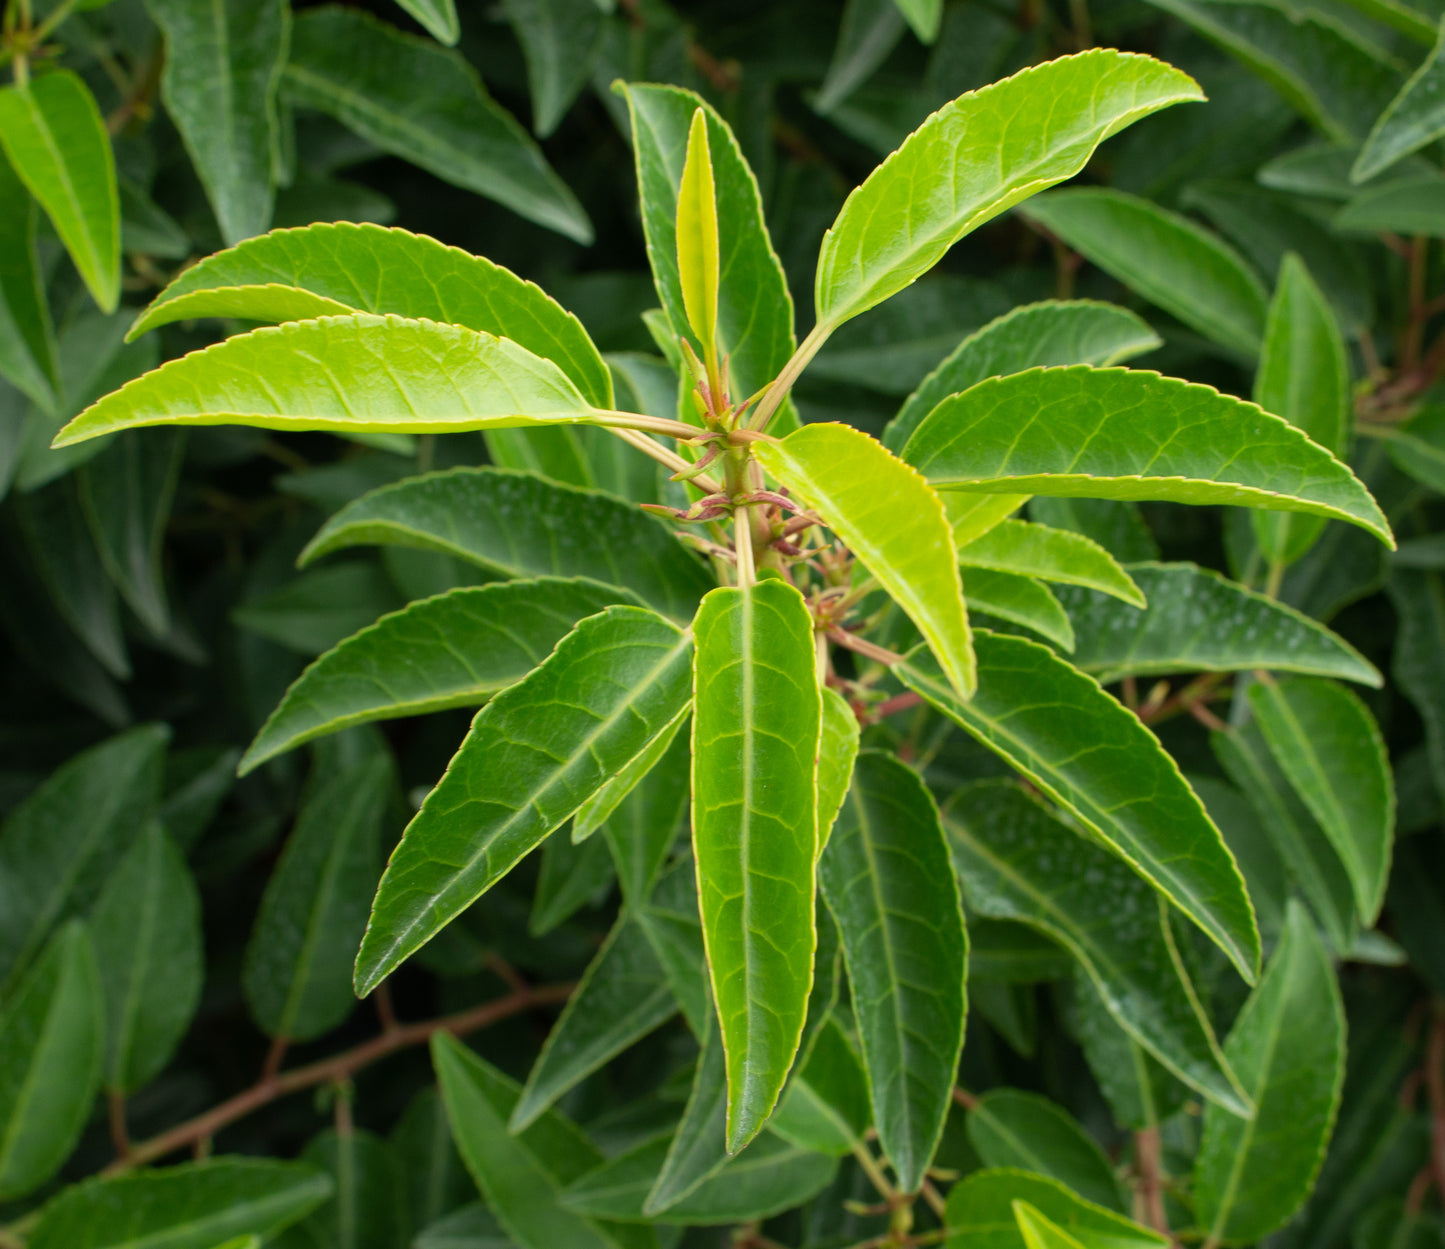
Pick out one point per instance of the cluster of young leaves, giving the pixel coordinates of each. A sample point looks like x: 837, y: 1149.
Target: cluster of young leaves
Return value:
x: 795, y: 869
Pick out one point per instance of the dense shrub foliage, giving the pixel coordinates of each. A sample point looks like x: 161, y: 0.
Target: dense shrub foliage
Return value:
x: 920, y: 517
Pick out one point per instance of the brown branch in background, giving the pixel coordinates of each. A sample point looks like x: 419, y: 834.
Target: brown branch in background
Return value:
x: 1435, y: 1088
x: 275, y: 1056
x: 339, y: 1067
x: 1148, y: 1156
x: 119, y: 1136
x: 964, y: 1098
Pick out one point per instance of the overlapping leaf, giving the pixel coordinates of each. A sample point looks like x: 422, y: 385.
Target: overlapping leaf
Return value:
x: 1414, y: 118
x: 27, y: 343
x: 1051, y: 555
x: 981, y: 1214
x: 1021, y: 601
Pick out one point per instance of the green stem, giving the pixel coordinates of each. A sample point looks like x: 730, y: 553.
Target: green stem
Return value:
x: 609, y: 419
x: 778, y: 390
x: 62, y: 11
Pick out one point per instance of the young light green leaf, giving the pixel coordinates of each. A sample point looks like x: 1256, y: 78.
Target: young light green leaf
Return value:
x: 622, y: 996
x: 519, y: 525
x: 27, y: 342
x: 1183, y: 268
x: 642, y: 830
x: 59, y: 846
x: 1010, y: 1128
x: 755, y: 732
x: 1199, y: 621
x: 522, y: 1176
x: 185, y: 1207
x: 893, y: 523
x: 534, y: 754
x: 697, y: 238
x: 314, y: 910
x: 1328, y: 745
x: 560, y: 41
x: 426, y: 105
x: 461, y: 648
x: 980, y: 1214
x: 973, y: 159
x: 1132, y: 434
x: 1021, y: 601
x: 1303, y: 377
x: 328, y: 374
x: 52, y: 131
x: 222, y: 76
x: 924, y: 16
x: 367, y: 1209
x: 973, y: 515
x: 599, y: 808
x: 1288, y: 1048
x: 147, y: 930
x: 1414, y: 118
x: 837, y: 750
x: 50, y: 1048
x: 755, y: 310
x: 1056, y: 555
x: 768, y: 1177
x: 329, y: 269
x: 1038, y: 1232
x: 887, y: 883
x: 1016, y: 861
x: 1402, y: 206
x: 438, y: 16
x: 1079, y: 746
x: 1054, y: 332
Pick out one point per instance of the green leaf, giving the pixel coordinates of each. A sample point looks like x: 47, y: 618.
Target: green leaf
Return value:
x: 887, y: 882
x: 924, y: 16
x: 1116, y: 526
x: 1417, y: 446
x: 642, y: 830
x: 1053, y: 332
x: 1005, y: 952
x: 825, y: 1107
x: 436, y: 1177
x: 1414, y: 118
x: 980, y: 1214
x: 1016, y: 861
x: 1183, y: 268
x: 889, y: 518
x: 755, y: 310
x: 837, y: 751
x: 1056, y: 555
x: 1197, y: 621
x: 770, y: 1176
x: 367, y: 1209
x: 438, y: 16
x: 1039, y: 1232
x: 1132, y: 434
x: 518, y: 525
x: 147, y: 930
x: 534, y: 754
x: 59, y: 846
x: 194, y: 1206
x: 1403, y: 206
x: 439, y: 379
x: 1395, y: 1225
x: 672, y: 923
x: 1328, y: 745
x: 1081, y: 748
x: 460, y: 648
x: 973, y: 159
x: 298, y: 959
x: 52, y: 131
x: 126, y: 492
x: 1021, y: 601
x: 222, y: 75
x: 471, y: 1227
x: 1254, y: 849
x: 697, y: 238
x: 1304, y: 377
x: 599, y: 808
x: 522, y: 1176
x: 622, y: 996
x: 328, y: 269
x: 868, y: 32
x: 426, y: 105
x: 1010, y: 1128
x: 755, y: 735
x: 1288, y: 1048
x: 27, y: 343
x: 50, y: 1049
x: 573, y: 875
x: 698, y: 1149
x: 559, y: 39
x: 1419, y: 602
x: 316, y: 610
x: 1141, y: 1093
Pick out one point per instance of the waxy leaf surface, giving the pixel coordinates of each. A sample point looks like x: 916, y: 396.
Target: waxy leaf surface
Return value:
x: 755, y: 731
x: 973, y: 159
x: 1091, y: 755
x: 1131, y: 434
x: 980, y: 1214
x: 534, y: 754
x: 891, y: 521
x: 697, y: 237
x: 887, y: 882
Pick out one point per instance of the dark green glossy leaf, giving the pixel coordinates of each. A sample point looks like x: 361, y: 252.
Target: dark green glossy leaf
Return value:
x: 147, y: 930
x: 981, y: 1214
x: 1005, y: 952
x: 1419, y: 601
x: 559, y: 39
x: 1288, y: 1048
x: 1198, y: 621
x: 1116, y: 526
x: 1414, y: 118
x: 426, y: 105
x: 1253, y: 847
x: 50, y: 1048
x: 461, y: 648
x: 698, y: 1149
x: 436, y: 1178
x: 867, y: 32
x: 1015, y: 861
x: 1403, y: 206
x: 515, y: 525
x: 756, y: 725
x: 643, y: 829
x: 534, y: 754
x: 573, y: 875
x: 315, y: 610
x: 887, y: 882
x: 194, y: 1206
x: 598, y: 809
x: 222, y: 75
x: 1140, y: 1091
x: 672, y: 923
x: 367, y: 1208
x: 1079, y: 746
x: 27, y: 344
x: 825, y: 1107
x: 1021, y: 601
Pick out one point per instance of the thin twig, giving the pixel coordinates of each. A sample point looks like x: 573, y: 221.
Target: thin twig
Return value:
x: 964, y: 1098
x: 1435, y: 1088
x: 869, y: 650
x: 119, y: 1136
x: 1148, y: 1152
